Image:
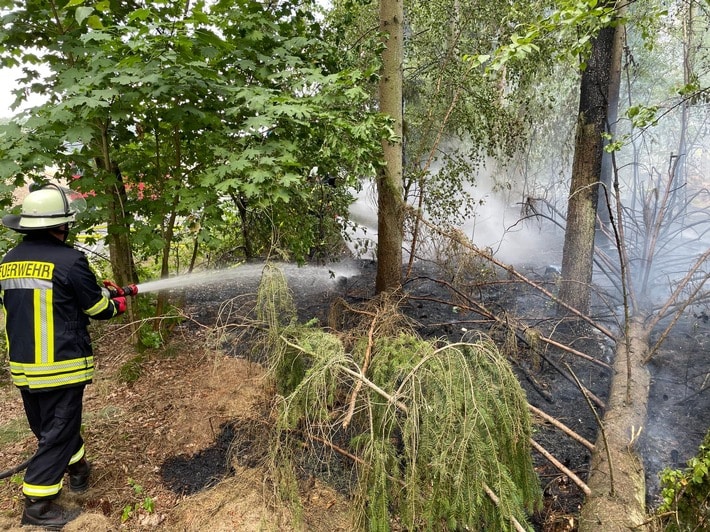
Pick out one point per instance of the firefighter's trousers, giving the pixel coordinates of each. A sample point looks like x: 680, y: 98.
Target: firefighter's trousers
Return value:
x: 55, y: 419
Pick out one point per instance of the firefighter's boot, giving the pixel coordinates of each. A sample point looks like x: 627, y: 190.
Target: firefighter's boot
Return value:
x: 44, y: 513
x: 79, y: 475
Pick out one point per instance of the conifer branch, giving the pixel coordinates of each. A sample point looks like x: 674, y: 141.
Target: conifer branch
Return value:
x: 492, y: 496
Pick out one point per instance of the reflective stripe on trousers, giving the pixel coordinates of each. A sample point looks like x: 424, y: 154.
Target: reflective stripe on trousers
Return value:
x: 55, y: 419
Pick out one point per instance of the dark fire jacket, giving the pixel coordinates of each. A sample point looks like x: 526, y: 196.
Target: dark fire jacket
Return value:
x: 49, y: 293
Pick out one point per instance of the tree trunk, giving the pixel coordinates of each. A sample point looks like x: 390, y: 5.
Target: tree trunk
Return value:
x: 578, y: 250
x: 607, y: 168
x: 118, y: 230
x: 618, y: 499
x: 390, y: 220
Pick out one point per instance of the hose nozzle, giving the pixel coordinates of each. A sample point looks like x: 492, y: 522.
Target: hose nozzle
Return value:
x: 116, y: 291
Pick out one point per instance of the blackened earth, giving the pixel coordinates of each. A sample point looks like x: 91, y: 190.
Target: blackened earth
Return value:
x: 679, y: 400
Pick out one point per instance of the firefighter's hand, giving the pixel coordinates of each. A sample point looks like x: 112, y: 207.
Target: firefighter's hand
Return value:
x: 113, y: 288
x: 120, y: 303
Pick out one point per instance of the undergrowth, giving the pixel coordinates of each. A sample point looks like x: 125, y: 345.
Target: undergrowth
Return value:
x: 440, y: 434
x: 686, y: 493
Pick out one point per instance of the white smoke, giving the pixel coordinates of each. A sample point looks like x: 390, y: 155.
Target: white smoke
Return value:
x: 496, y: 225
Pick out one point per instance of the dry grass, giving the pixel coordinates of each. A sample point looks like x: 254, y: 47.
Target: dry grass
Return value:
x: 176, y: 407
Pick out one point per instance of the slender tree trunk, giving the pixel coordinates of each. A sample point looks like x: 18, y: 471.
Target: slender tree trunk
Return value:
x: 678, y: 169
x: 168, y: 230
x: 616, y: 477
x: 390, y: 221
x: 118, y: 237
x: 578, y: 250
x: 118, y: 229
x: 607, y: 169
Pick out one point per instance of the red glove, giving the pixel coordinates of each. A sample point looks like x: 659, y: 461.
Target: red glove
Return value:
x: 113, y: 288
x: 120, y: 303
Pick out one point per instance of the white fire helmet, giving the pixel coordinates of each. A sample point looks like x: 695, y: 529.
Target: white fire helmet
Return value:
x: 50, y: 206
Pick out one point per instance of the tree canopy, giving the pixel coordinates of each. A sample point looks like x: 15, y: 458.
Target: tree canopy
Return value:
x: 190, y: 111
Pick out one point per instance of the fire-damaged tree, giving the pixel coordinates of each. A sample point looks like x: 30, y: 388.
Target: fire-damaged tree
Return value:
x: 578, y: 252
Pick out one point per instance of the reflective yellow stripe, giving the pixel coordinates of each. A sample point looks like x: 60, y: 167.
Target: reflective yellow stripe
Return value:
x: 39, y: 383
x: 99, y: 307
x: 49, y: 322
x: 26, y: 284
x: 40, y: 358
x: 31, y: 490
x: 39, y: 376
x: 44, y: 327
x: 57, y: 367
x: 20, y: 381
x: 77, y: 456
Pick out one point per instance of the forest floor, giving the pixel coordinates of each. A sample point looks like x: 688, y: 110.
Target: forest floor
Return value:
x: 184, y: 445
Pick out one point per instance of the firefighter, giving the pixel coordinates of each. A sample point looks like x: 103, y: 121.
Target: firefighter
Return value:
x: 49, y: 293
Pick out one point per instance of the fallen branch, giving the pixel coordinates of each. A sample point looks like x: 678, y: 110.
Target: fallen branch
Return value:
x: 365, y: 364
x: 559, y: 465
x: 601, y: 429
x: 511, y: 271
x: 492, y: 496
x: 573, y: 351
x: 519, y: 329
x: 564, y: 428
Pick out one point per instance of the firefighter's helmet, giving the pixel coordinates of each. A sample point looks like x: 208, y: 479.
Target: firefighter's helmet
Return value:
x: 45, y: 208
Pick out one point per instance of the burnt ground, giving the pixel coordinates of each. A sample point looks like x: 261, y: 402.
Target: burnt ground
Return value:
x: 679, y: 401
x: 189, y: 432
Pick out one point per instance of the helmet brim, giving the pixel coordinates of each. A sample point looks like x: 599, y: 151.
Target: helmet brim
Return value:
x: 12, y: 221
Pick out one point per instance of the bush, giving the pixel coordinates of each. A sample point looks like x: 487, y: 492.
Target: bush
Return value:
x: 686, y: 493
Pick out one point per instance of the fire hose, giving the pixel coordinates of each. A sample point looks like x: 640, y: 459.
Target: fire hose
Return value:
x: 16, y: 469
x: 110, y: 290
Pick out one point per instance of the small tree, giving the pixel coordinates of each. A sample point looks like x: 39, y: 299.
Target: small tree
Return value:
x: 440, y: 435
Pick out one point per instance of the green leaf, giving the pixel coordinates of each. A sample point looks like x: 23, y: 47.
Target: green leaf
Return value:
x: 82, y: 13
x: 94, y: 22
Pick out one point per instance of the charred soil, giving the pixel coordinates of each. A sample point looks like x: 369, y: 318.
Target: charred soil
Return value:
x: 184, y: 445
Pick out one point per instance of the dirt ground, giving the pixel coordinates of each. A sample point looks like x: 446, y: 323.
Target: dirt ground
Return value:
x: 183, y: 447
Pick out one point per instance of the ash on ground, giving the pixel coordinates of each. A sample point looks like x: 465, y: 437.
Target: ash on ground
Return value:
x: 447, y: 309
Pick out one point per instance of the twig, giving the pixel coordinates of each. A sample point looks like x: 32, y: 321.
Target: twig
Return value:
x: 365, y: 364
x: 681, y: 286
x: 512, y: 324
x: 492, y: 496
x: 554, y: 461
x: 573, y: 351
x: 512, y: 271
x: 367, y: 382
x: 564, y: 428
x: 684, y: 282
